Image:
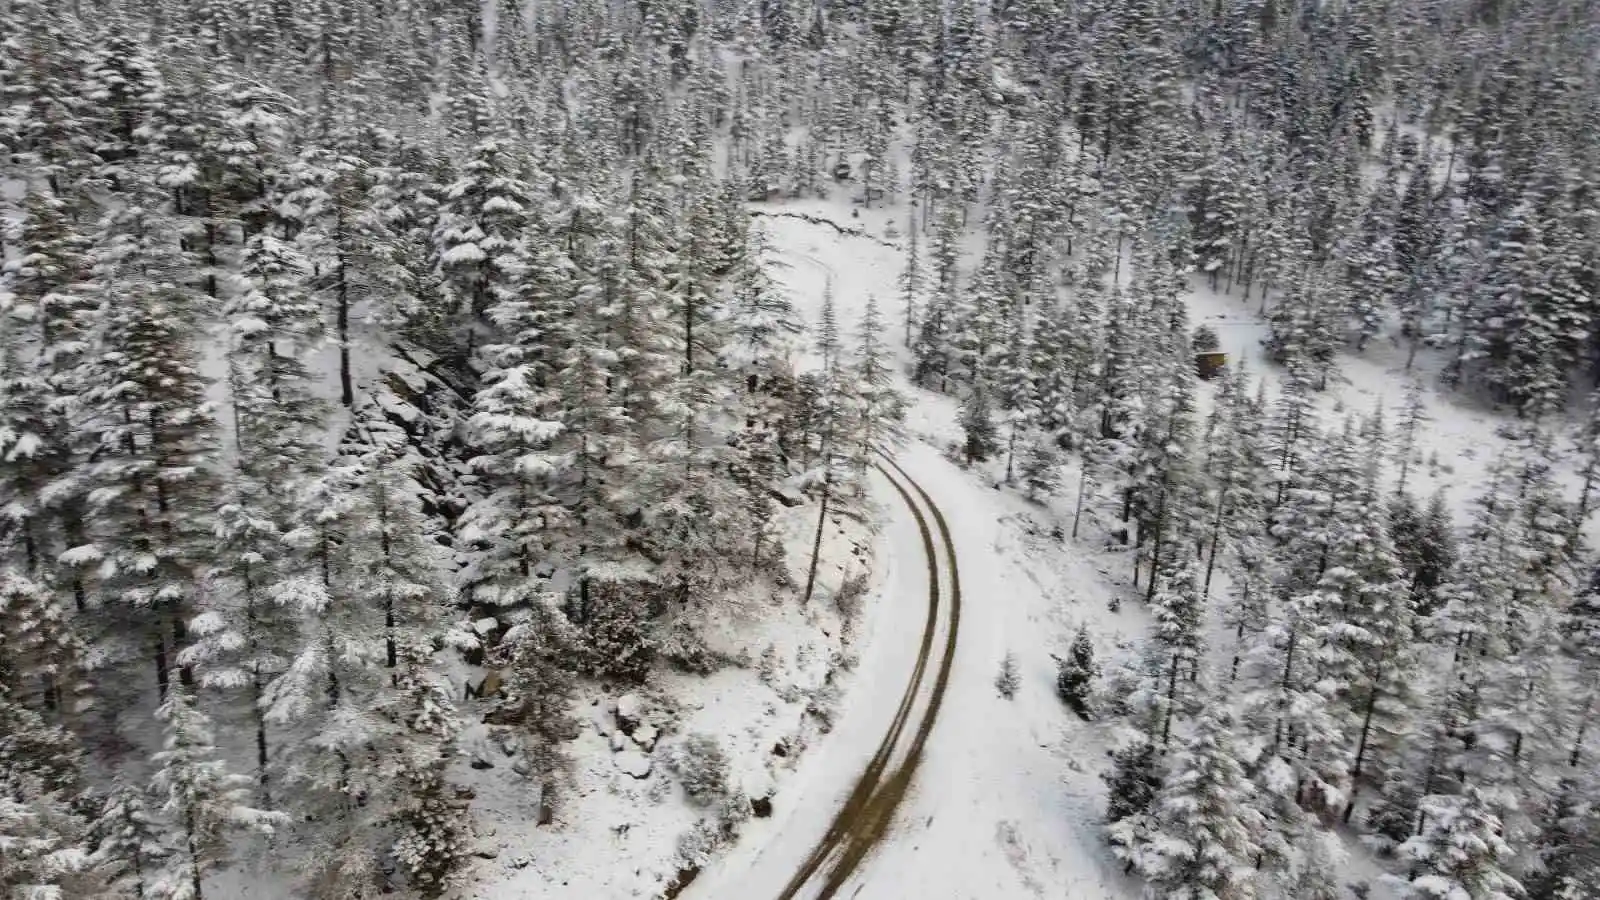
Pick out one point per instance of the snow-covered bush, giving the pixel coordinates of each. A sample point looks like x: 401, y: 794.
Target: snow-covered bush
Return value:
x: 696, y: 845
x: 684, y: 647
x: 1008, y: 680
x: 767, y: 667
x: 822, y: 703
x: 432, y: 834
x: 1075, y: 674
x: 617, y: 637
x: 701, y: 767
x: 848, y: 598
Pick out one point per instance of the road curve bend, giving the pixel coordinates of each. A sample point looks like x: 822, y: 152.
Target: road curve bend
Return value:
x: 864, y: 819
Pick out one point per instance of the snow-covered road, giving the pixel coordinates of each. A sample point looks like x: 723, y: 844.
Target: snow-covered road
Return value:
x: 1003, y: 800
x: 848, y: 794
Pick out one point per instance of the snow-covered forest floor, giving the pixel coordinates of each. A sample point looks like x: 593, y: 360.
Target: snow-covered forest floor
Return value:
x: 625, y: 827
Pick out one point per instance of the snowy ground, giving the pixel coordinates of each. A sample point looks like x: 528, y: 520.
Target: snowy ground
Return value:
x: 617, y: 828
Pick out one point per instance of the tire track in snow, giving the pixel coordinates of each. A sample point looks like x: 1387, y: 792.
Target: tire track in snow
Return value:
x: 866, y: 815
x: 861, y: 796
x: 875, y: 821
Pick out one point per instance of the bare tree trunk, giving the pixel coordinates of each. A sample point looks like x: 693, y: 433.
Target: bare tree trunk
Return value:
x: 1361, y: 751
x: 1077, y: 513
x: 816, y: 544
x: 347, y: 394
x: 1172, y: 692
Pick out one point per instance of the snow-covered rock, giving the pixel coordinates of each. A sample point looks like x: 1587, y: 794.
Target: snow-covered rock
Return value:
x: 633, y: 763
x: 645, y: 736
x: 600, y: 716
x: 630, y: 712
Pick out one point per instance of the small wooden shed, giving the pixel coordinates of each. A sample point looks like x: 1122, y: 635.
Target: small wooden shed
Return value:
x: 1209, y: 364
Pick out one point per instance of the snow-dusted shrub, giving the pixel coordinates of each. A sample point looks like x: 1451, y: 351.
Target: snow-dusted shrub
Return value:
x: 431, y: 842
x: 684, y: 647
x: 696, y: 845
x: 822, y: 703
x: 701, y: 767
x: 847, y: 599
x: 616, y: 634
x: 1008, y: 680
x: 733, y: 812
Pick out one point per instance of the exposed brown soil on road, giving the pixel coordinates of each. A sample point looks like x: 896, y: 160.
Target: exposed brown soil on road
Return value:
x: 865, y: 817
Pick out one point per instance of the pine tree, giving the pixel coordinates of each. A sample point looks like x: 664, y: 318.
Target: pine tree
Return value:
x: 129, y: 841
x: 537, y: 658
x: 151, y: 488
x: 1203, y: 837
x: 1041, y: 467
x: 1567, y: 847
x: 1459, y: 852
x: 431, y: 826
x: 981, y: 438
x: 44, y: 655
x: 878, y: 405
x: 1131, y: 787
x: 42, y: 833
x: 1177, y: 611
x: 1076, y: 675
x: 1008, y: 681
x: 199, y: 799
x: 911, y: 283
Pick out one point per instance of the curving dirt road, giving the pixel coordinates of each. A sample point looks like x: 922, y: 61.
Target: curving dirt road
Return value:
x: 870, y: 807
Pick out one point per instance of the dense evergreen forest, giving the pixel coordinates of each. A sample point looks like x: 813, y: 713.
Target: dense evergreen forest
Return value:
x: 335, y: 329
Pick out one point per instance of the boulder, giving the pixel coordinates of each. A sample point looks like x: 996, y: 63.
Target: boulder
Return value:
x: 645, y: 736
x: 634, y: 763
x: 630, y: 712
x: 490, y: 685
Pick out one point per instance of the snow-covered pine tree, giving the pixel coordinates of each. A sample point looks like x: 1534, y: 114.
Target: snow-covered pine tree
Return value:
x: 1567, y: 848
x: 1040, y: 467
x: 1077, y: 673
x: 1460, y: 852
x: 246, y: 635
x: 1580, y: 626
x: 1177, y: 610
x: 536, y: 657
x: 42, y: 831
x: 1203, y: 836
x: 518, y: 526
x: 878, y: 407
x: 47, y: 305
x: 200, y: 801
x: 43, y: 655
x: 911, y: 291
x: 980, y: 435
x: 1132, y: 783
x: 129, y: 841
x: 148, y: 438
